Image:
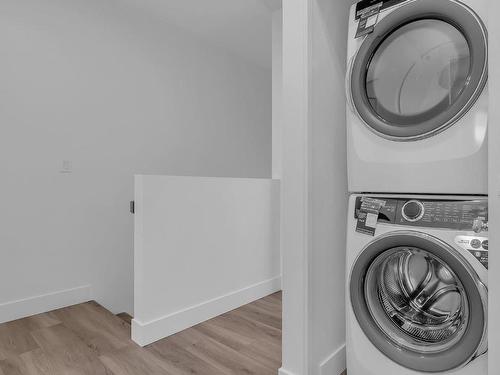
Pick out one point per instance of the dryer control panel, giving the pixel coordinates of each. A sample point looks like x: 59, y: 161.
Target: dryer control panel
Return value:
x: 469, y: 215
x: 366, y: 5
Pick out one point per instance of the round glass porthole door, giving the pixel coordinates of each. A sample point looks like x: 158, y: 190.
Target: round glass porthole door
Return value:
x: 417, y: 299
x: 421, y: 70
x: 419, y: 302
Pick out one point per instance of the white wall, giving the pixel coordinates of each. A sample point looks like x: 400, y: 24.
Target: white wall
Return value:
x: 117, y: 93
x: 328, y: 185
x: 203, y: 246
x: 314, y: 186
x: 494, y: 191
x: 277, y: 77
x: 295, y: 187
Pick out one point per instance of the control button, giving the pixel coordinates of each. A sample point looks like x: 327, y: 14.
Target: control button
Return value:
x: 475, y: 243
x: 485, y: 244
x: 479, y: 224
x: 413, y: 211
x: 478, y: 254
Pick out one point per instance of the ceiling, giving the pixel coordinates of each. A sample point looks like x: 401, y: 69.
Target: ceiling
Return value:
x: 241, y: 26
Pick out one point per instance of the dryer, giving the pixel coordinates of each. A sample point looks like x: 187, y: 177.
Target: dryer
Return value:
x: 417, y: 95
x: 417, y: 285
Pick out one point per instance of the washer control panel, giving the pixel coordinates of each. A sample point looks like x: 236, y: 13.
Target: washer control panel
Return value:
x: 476, y: 245
x: 433, y: 213
x: 459, y: 215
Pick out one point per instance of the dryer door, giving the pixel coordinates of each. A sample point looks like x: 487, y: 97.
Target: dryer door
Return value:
x: 419, y: 302
x: 421, y: 70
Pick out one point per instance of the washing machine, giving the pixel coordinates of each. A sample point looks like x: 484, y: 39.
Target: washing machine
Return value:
x: 417, y: 96
x: 417, y: 285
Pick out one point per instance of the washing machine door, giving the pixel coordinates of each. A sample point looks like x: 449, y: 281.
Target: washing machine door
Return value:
x: 421, y: 70
x: 419, y: 302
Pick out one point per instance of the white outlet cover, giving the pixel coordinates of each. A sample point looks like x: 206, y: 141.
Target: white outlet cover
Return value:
x: 67, y: 166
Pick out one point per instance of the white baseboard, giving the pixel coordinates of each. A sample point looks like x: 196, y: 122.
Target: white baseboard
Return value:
x: 144, y: 333
x: 335, y: 363
x: 282, y: 371
x: 43, y: 303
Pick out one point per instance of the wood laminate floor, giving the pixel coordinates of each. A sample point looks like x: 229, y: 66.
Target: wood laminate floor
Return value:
x: 87, y: 339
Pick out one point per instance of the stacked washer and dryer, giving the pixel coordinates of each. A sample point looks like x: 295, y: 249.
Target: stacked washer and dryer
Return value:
x: 417, y: 241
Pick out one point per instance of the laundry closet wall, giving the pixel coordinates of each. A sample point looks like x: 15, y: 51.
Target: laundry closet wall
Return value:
x: 494, y: 191
x: 116, y: 90
x: 314, y: 186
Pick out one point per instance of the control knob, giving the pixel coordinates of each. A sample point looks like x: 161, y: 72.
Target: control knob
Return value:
x: 413, y: 211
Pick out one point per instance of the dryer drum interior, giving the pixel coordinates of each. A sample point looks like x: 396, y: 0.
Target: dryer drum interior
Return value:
x: 416, y: 298
x: 421, y: 70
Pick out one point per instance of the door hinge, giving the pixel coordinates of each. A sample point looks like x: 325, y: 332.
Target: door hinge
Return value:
x: 132, y: 207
